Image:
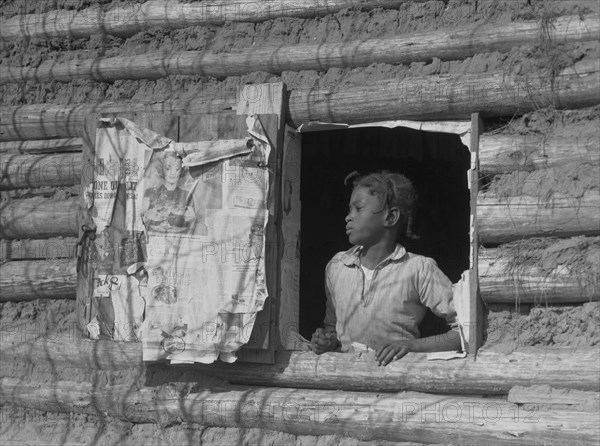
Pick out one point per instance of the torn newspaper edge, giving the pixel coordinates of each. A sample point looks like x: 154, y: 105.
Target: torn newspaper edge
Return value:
x: 220, y: 227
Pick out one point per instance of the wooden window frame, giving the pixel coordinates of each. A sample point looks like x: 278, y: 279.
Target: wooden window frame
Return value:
x: 473, y: 326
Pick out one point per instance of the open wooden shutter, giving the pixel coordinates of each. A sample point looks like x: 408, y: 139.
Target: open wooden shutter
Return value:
x: 475, y: 303
x: 265, y: 101
x: 289, y: 309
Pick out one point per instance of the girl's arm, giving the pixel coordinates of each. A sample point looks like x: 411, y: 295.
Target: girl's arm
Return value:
x: 395, y: 350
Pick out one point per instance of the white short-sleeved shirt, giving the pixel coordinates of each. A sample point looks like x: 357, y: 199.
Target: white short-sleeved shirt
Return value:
x: 392, y: 305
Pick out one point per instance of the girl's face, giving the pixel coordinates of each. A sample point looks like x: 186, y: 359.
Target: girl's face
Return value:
x: 172, y: 170
x: 365, y: 219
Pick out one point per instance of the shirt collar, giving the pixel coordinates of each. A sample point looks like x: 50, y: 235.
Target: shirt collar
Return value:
x: 352, y: 256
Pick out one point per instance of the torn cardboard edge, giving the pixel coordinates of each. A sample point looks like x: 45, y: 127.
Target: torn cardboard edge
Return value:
x: 460, y: 128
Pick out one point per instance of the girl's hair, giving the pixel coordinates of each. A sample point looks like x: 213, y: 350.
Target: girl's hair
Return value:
x: 392, y: 190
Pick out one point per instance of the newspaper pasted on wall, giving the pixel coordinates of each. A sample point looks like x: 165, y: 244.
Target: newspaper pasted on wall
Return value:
x: 186, y: 275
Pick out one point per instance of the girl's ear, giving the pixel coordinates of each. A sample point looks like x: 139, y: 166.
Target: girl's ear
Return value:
x: 392, y: 217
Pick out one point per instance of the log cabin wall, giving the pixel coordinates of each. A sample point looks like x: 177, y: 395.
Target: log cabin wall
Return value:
x: 531, y: 69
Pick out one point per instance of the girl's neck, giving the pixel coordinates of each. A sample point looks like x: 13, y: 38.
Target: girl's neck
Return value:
x: 170, y: 186
x: 371, y: 256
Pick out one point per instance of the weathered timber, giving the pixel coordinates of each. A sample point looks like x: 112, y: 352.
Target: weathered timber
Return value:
x: 32, y: 279
x: 43, y: 191
x: 39, y: 218
x: 503, y: 220
x: 130, y: 19
x: 491, y: 373
x: 501, y: 282
x: 47, y: 121
x: 406, y: 416
x: 546, y: 395
x: 508, y: 153
x: 41, y: 146
x: 32, y: 171
x: 432, y: 97
x: 39, y: 249
x: 449, y: 96
x: 452, y: 44
x: 474, y: 329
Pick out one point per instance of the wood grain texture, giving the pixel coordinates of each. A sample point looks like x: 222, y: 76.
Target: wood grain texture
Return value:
x: 550, y: 396
x: 41, y: 146
x: 491, y: 373
x: 39, y: 218
x: 453, y: 44
x: 128, y: 19
x: 502, y: 284
x: 32, y: 279
x: 48, y: 170
x: 406, y: 416
x: 39, y: 249
x: 508, y: 153
x: 502, y: 220
x: 443, y: 97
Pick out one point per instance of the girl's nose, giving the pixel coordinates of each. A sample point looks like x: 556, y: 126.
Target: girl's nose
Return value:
x: 347, y: 218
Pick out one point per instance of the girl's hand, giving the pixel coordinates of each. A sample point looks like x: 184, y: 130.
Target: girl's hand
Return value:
x: 324, y: 341
x: 392, y: 351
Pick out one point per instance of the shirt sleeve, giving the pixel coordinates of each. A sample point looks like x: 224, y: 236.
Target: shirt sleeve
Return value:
x: 435, y: 291
x: 330, y: 317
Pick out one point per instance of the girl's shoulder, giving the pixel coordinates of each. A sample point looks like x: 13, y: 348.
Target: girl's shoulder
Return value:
x: 419, y: 261
x: 348, y: 257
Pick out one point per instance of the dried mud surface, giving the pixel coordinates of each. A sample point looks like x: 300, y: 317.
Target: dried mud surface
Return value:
x: 37, y: 426
x: 573, y: 326
x: 573, y: 178
x: 345, y: 25
x: 550, y: 122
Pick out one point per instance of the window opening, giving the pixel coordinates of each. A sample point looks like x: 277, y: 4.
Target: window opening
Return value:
x: 436, y: 163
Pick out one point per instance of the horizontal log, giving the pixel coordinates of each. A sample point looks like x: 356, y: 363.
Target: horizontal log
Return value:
x: 48, y: 192
x: 40, y: 433
x: 432, y: 97
x: 406, y: 416
x: 449, y: 96
x: 129, y: 19
x: 38, y: 249
x: 547, y: 395
x: 47, y: 170
x: 31, y: 279
x: 39, y: 218
x: 508, y: 153
x: 48, y: 121
x: 502, y: 220
x: 501, y: 283
x: 455, y: 44
x: 42, y: 146
x: 491, y: 373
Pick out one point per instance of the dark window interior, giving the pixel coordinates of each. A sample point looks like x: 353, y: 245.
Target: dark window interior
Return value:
x: 436, y: 163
